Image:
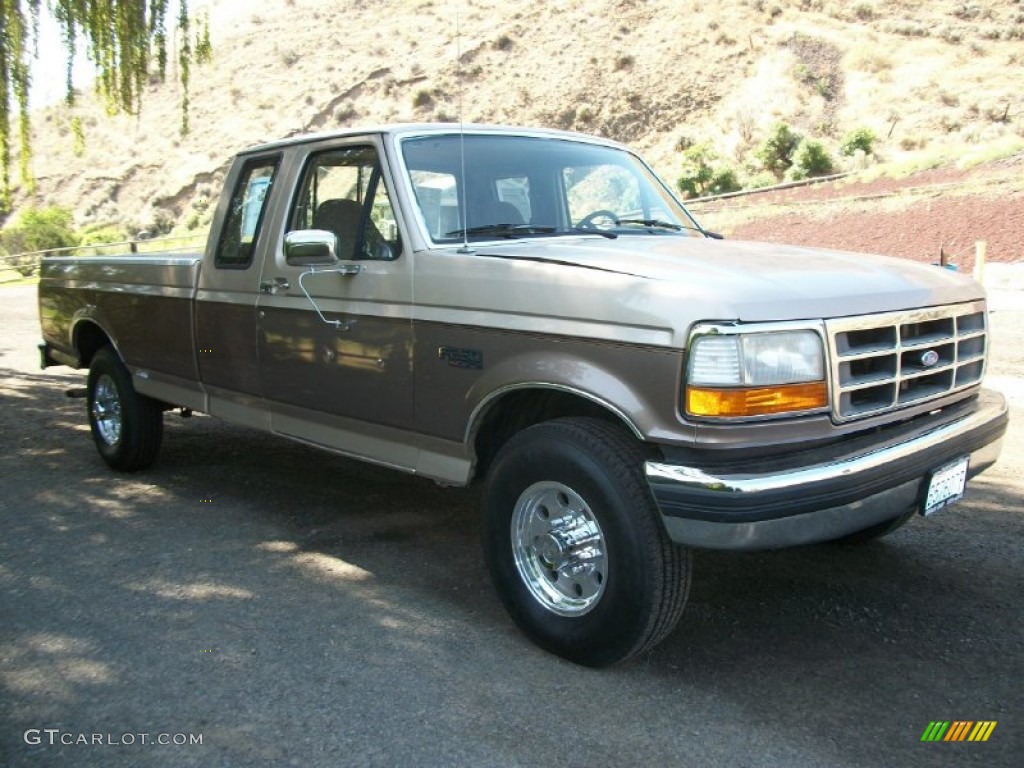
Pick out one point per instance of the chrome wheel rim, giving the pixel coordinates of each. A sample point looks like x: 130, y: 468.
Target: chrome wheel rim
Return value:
x: 106, y: 410
x: 559, y: 549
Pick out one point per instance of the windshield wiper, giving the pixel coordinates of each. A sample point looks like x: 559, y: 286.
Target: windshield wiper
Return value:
x: 515, y: 230
x: 589, y: 231
x: 658, y: 224
x: 502, y: 230
x: 654, y: 223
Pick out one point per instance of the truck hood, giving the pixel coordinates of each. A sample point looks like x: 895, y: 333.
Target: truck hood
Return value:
x: 747, y: 281
x: 651, y: 289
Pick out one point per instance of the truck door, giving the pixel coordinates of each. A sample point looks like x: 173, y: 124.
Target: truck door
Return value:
x: 226, y: 300
x: 335, y: 344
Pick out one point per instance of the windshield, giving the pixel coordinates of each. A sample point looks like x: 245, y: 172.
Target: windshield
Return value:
x: 522, y: 186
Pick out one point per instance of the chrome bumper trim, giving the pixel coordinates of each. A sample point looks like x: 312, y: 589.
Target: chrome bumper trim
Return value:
x: 722, y: 493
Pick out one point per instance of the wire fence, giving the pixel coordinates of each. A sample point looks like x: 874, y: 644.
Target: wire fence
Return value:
x: 19, y: 266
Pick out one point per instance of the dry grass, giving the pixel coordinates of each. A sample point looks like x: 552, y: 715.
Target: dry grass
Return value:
x: 645, y: 73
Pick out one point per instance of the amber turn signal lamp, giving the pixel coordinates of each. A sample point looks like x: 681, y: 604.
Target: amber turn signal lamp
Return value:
x: 756, y: 401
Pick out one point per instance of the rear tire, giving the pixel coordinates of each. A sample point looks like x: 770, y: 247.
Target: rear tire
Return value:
x: 575, y: 544
x: 127, y: 427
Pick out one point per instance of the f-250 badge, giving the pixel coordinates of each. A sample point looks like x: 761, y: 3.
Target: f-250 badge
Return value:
x: 458, y: 357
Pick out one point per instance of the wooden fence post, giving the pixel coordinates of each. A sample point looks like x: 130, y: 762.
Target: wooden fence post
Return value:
x: 980, y: 254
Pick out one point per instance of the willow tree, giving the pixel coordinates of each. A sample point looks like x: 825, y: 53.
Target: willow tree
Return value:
x: 126, y: 40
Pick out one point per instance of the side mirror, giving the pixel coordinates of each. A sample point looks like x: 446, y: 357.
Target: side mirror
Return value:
x: 311, y: 248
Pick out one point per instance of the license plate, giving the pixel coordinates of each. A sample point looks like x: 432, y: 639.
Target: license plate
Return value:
x: 946, y: 486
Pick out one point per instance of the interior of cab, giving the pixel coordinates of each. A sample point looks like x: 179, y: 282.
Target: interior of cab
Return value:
x: 522, y: 186
x: 343, y: 192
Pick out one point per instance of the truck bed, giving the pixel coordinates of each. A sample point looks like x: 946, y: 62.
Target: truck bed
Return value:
x: 144, y: 302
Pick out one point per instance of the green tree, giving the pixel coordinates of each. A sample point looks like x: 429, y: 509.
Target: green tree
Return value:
x: 810, y: 159
x: 40, y: 229
x: 36, y: 229
x: 703, y: 173
x: 776, y: 151
x: 862, y: 139
x: 124, y: 39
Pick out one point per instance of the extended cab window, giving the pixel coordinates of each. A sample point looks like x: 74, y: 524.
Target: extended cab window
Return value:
x: 245, y: 217
x: 343, y: 192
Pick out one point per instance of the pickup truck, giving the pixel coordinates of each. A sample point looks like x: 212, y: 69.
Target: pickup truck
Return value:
x: 534, y: 311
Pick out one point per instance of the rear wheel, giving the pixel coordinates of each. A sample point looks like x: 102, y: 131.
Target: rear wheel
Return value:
x: 575, y: 544
x: 127, y: 427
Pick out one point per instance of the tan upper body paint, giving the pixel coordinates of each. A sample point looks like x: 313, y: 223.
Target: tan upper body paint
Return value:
x: 400, y: 362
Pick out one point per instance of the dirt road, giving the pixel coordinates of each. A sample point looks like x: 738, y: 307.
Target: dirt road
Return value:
x: 288, y: 607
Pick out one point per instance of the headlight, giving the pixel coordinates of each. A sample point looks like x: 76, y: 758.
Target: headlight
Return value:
x: 755, y: 374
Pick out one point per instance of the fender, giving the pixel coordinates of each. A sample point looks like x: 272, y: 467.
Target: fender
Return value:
x: 604, y: 383
x: 90, y: 314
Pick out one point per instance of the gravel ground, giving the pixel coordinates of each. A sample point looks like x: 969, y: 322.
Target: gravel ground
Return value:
x: 914, y: 217
x: 293, y: 608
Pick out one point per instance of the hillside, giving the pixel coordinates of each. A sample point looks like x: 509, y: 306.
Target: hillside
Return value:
x: 925, y: 216
x: 923, y: 75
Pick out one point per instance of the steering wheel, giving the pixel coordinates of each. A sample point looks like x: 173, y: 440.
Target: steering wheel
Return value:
x: 590, y: 220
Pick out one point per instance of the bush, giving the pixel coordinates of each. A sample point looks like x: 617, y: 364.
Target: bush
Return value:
x: 102, y: 234
x: 422, y: 99
x: 40, y: 229
x: 704, y: 175
x: 776, y: 152
x: 809, y: 160
x: 761, y: 180
x: 862, y: 139
x: 724, y: 181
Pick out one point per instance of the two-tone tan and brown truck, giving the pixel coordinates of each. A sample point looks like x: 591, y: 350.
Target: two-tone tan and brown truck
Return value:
x: 534, y: 311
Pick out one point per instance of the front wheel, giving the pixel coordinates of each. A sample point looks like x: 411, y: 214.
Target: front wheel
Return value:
x: 575, y: 545
x: 127, y: 427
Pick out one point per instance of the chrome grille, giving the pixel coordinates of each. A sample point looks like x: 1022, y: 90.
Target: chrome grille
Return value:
x: 884, y: 362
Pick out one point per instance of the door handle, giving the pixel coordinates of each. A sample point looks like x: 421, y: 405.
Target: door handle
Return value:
x: 275, y: 285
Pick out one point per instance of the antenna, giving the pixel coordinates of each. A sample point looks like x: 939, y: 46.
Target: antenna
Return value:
x: 462, y: 136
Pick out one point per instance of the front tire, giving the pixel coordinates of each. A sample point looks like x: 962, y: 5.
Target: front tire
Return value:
x: 127, y: 427
x: 575, y: 544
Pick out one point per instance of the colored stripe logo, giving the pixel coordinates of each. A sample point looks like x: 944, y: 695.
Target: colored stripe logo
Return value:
x: 958, y: 730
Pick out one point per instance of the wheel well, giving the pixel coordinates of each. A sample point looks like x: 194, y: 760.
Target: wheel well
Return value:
x: 89, y: 339
x: 518, y: 410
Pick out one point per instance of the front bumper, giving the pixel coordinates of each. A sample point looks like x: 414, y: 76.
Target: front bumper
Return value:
x: 823, y: 495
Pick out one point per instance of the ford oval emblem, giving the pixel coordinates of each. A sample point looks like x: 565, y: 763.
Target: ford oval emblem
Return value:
x: 929, y: 358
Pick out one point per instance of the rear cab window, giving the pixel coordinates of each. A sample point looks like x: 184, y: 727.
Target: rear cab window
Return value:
x: 241, y: 228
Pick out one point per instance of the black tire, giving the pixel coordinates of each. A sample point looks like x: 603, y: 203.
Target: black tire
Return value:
x: 635, y: 588
x: 127, y: 427
x: 876, y: 531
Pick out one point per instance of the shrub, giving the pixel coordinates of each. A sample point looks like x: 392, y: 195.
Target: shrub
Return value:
x: 683, y: 143
x: 760, y: 180
x: 862, y: 139
x: 100, y: 234
x: 776, y: 152
x: 422, y: 99
x: 40, y: 229
x: 723, y: 182
x: 810, y: 159
x: 864, y: 11
x: 704, y: 175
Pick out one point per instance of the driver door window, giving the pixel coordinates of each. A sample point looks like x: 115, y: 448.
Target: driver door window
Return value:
x: 343, y: 192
